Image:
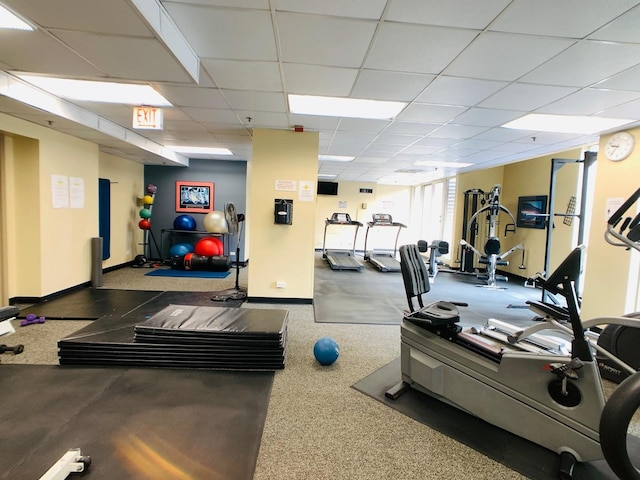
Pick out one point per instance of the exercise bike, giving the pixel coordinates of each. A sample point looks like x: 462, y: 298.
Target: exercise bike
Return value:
x: 554, y: 400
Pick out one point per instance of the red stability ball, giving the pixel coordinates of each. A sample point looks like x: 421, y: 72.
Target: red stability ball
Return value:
x: 209, y: 247
x: 144, y: 224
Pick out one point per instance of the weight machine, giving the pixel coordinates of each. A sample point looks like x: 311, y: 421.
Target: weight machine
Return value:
x: 492, y: 256
x: 553, y: 399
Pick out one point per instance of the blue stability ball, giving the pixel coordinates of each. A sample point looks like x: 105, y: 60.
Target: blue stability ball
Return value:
x: 180, y: 249
x: 326, y: 350
x: 184, y: 222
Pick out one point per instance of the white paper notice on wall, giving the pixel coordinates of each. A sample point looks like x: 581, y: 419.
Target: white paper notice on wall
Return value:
x: 611, y: 206
x: 306, y: 191
x: 59, y: 191
x: 286, y: 185
x: 76, y: 192
x: 342, y: 204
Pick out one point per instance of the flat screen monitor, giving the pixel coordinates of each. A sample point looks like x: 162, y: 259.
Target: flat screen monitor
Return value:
x: 327, y: 188
x: 532, y: 212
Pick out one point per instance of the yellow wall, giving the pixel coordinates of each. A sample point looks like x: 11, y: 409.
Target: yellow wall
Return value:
x: 533, y: 177
x: 127, y: 190
x: 48, y: 249
x: 281, y: 253
x: 360, y: 206
x: 608, y: 268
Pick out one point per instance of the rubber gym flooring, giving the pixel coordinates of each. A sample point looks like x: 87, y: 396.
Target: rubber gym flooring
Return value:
x: 373, y: 297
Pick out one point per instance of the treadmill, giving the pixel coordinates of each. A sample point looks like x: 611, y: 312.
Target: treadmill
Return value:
x: 383, y: 260
x: 342, y: 259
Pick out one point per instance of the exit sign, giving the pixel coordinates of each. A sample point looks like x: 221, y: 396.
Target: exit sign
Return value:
x: 148, y: 118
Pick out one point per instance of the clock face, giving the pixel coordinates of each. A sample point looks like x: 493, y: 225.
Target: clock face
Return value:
x: 619, y: 146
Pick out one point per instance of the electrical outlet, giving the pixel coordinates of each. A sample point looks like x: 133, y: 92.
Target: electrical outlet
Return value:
x: 281, y: 284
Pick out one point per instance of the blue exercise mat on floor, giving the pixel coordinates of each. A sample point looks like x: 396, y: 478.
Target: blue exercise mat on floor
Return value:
x: 186, y: 273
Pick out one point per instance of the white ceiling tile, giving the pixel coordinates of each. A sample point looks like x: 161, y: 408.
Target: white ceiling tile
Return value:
x: 305, y: 39
x: 569, y: 18
x: 457, y: 131
x: 499, y: 56
x: 412, y: 128
x: 192, y: 96
x: 255, y: 4
x: 123, y: 57
x: 319, y: 80
x: 314, y: 123
x: 501, y: 134
x: 390, y: 139
x: 115, y: 17
x: 265, y: 119
x: 363, y: 125
x: 627, y: 80
x: 416, y: 48
x: 394, y: 86
x: 241, y: 75
x: 226, y: 33
x: 370, y: 9
x: 452, y: 13
x: 622, y: 29
x: 459, y: 91
x: 38, y: 53
x: 590, y: 101
x: 627, y: 110
x: 370, y: 160
x: 576, y: 65
x: 422, y: 112
x: 255, y: 101
x: 526, y: 97
x: 486, y: 117
x: 211, y: 115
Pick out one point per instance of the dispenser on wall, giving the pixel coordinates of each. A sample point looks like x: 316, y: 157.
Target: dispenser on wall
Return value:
x: 283, y: 211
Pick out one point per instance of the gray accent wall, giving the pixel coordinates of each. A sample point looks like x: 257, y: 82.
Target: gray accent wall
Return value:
x: 229, y: 178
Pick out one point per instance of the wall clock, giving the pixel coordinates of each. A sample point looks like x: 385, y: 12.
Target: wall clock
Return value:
x: 619, y: 146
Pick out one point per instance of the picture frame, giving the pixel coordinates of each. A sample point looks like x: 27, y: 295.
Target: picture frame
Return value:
x: 532, y: 212
x: 194, y: 197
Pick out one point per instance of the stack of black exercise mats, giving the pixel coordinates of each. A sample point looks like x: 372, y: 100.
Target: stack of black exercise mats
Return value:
x: 186, y: 336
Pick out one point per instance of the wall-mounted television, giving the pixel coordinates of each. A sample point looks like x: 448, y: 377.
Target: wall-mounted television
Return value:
x: 327, y: 188
x: 532, y: 212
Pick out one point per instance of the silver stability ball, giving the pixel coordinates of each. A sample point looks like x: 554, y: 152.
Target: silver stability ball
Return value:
x: 215, y: 222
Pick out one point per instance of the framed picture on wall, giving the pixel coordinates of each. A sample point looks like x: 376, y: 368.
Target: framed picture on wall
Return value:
x: 532, y: 212
x: 194, y: 197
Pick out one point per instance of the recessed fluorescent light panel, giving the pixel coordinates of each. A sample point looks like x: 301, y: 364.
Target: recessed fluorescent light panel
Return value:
x: 441, y: 163
x: 10, y: 21
x: 91, y: 91
x: 566, y: 123
x: 344, y: 107
x: 335, y: 158
x: 202, y: 150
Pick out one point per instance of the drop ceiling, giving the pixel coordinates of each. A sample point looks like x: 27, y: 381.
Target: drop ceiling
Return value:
x: 464, y: 68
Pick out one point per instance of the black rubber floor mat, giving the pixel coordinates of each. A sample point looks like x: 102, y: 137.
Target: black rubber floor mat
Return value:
x: 90, y: 304
x: 171, y: 423
x: 523, y: 456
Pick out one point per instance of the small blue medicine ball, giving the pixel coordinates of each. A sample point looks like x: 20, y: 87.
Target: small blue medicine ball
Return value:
x: 326, y: 350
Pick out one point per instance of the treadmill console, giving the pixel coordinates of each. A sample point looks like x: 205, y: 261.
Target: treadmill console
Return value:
x: 340, y: 218
x: 381, y: 219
